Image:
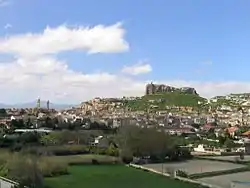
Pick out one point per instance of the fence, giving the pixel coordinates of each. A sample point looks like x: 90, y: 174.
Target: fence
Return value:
x: 240, y: 184
x: 174, y: 176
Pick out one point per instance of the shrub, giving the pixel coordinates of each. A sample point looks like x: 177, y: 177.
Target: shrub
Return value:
x: 65, y: 150
x: 111, y: 151
x: 95, y: 162
x: 126, y: 156
x: 24, y: 170
x: 181, y: 173
x: 16, y: 147
x: 51, y: 167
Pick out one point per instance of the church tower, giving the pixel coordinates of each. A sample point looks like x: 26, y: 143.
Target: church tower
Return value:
x: 38, y: 103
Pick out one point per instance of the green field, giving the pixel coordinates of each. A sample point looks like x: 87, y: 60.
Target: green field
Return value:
x: 112, y: 176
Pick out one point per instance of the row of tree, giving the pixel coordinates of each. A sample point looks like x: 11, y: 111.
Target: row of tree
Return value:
x: 56, y: 124
x: 150, y: 143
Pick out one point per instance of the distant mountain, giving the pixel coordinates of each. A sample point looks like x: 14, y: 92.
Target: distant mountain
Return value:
x: 33, y: 104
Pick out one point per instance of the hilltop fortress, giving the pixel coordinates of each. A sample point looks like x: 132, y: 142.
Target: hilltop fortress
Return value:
x: 161, y: 88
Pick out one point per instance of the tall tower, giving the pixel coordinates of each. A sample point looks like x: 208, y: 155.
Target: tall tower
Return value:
x: 150, y: 89
x: 38, y: 103
x: 48, y: 104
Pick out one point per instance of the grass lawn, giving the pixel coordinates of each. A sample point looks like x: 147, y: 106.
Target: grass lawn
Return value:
x: 112, y: 176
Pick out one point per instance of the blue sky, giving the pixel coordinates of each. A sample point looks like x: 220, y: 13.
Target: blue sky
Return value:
x: 192, y: 40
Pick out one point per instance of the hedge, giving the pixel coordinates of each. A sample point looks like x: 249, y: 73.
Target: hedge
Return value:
x: 230, y: 153
x: 65, y: 150
x: 218, y: 173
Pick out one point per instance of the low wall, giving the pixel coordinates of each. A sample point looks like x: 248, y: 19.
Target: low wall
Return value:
x: 176, y: 177
x: 221, y: 160
x: 6, y: 183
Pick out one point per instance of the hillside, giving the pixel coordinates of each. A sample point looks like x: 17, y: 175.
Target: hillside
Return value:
x: 161, y: 100
x: 234, y: 99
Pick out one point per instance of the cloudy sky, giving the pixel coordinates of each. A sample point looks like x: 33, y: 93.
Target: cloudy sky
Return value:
x: 73, y: 50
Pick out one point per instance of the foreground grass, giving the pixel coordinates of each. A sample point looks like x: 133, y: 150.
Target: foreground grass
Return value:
x: 112, y: 176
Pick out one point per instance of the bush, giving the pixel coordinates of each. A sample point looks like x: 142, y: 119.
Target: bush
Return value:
x: 126, y: 156
x: 95, y: 162
x: 24, y: 170
x: 46, y: 166
x: 64, y: 150
x: 110, y: 151
x: 16, y: 147
x: 50, y: 167
x: 181, y: 173
x: 31, y: 150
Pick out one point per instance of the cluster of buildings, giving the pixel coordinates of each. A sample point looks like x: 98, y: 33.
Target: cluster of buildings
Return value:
x: 113, y: 112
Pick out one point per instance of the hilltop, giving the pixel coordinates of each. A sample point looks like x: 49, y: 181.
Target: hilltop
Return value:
x: 162, y: 88
x: 160, y: 96
x: 160, y: 101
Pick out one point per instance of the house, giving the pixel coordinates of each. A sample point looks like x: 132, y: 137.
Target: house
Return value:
x: 102, y: 142
x: 231, y: 130
x: 207, y: 127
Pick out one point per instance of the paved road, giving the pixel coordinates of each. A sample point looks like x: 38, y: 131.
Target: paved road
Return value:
x: 195, y: 166
x: 225, y: 181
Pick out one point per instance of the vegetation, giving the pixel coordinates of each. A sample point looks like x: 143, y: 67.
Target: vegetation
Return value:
x: 30, y: 170
x: 161, y: 100
x: 149, y: 142
x: 49, y: 155
x: 112, y: 177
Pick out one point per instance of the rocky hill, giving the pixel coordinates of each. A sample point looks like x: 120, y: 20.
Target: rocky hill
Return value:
x: 161, y: 88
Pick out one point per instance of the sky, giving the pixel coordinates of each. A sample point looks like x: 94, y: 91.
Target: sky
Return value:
x: 72, y: 51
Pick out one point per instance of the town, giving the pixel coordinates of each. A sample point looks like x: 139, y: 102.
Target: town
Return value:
x: 124, y: 94
x: 215, y: 127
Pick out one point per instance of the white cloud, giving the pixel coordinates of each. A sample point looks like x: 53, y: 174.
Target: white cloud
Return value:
x: 26, y: 78
x: 4, y: 3
x: 35, y: 73
x: 8, y: 26
x: 139, y: 68
x: 98, y: 39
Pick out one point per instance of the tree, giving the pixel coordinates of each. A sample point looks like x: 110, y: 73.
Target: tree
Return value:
x: 126, y: 156
x: 17, y: 124
x: 222, y: 139
x: 30, y: 138
x: 195, y: 125
x: 143, y: 142
x: 3, y: 112
x: 25, y: 171
x: 229, y: 143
